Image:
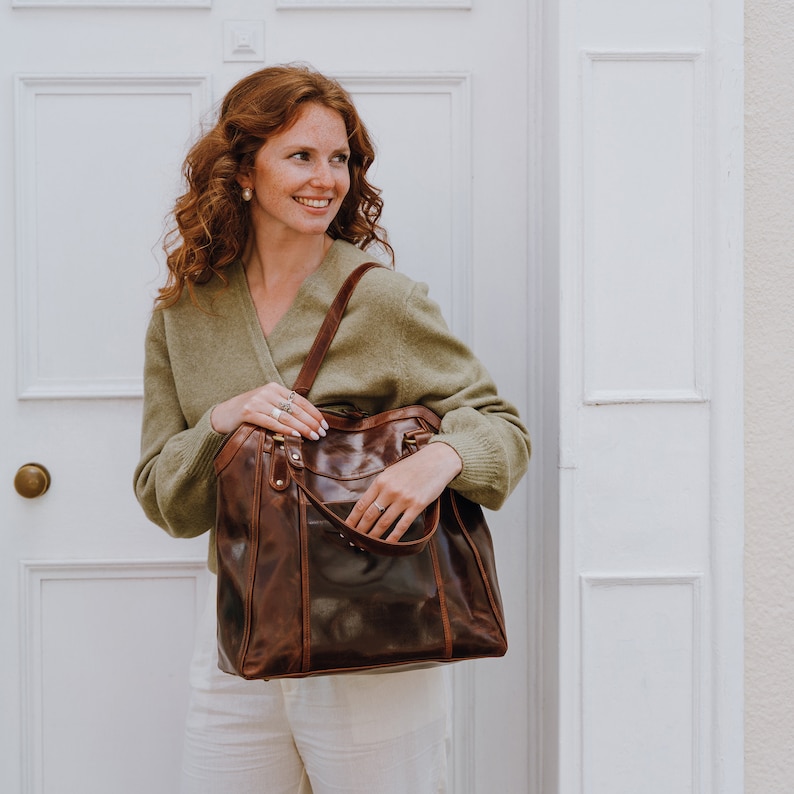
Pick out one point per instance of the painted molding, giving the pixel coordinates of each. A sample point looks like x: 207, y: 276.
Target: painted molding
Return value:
x: 416, y: 5
x: 726, y: 117
x: 34, y: 574
x: 111, y: 4
x: 541, y: 416
x: 457, y: 88
x: 463, y: 715
x: 32, y: 384
x: 696, y: 390
x: 652, y: 660
x: 243, y: 41
x: 634, y: 396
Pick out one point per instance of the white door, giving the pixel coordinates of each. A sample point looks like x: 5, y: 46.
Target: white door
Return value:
x: 97, y: 106
x: 643, y: 128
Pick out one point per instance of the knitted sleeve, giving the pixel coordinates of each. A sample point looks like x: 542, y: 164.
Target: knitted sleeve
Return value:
x: 439, y: 371
x: 174, y: 479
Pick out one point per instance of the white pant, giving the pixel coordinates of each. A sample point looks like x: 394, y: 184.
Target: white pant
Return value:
x: 337, y: 734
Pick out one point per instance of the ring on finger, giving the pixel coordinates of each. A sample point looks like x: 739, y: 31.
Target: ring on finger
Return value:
x: 276, y: 413
x: 379, y: 508
x: 285, y: 405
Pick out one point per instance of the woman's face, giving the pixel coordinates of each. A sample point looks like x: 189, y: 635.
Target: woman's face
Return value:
x: 300, y: 175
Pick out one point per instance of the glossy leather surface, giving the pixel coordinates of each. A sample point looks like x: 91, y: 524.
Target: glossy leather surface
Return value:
x: 297, y: 596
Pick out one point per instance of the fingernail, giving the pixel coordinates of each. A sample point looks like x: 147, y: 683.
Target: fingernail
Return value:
x: 324, y: 424
x: 314, y: 436
x: 321, y: 431
x: 296, y: 434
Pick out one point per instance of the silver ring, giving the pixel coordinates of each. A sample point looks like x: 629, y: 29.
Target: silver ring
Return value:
x: 275, y: 413
x: 285, y: 406
x: 379, y: 508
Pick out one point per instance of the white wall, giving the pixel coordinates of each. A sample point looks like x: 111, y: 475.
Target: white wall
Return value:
x: 769, y: 390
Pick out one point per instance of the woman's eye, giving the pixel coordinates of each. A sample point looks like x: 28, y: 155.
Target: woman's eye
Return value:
x: 300, y: 156
x: 341, y: 158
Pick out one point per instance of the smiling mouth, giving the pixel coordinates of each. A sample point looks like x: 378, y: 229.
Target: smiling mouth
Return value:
x: 316, y: 203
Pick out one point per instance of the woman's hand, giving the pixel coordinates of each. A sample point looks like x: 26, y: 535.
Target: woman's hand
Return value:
x: 405, y: 489
x: 273, y: 407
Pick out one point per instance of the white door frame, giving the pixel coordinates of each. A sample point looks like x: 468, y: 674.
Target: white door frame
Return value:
x: 590, y: 575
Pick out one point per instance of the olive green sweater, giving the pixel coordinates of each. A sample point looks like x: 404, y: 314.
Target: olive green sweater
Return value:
x: 392, y: 349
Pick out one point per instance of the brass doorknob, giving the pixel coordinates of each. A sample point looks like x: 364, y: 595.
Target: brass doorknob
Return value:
x: 32, y: 480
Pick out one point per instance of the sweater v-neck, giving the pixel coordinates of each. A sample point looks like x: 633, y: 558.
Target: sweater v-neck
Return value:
x: 267, y: 346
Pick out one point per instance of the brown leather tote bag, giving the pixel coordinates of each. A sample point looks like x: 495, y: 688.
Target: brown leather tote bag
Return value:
x: 300, y: 593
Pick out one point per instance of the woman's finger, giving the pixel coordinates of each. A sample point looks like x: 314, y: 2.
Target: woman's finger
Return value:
x: 286, y: 409
x: 387, y: 523
x: 301, y: 407
x: 283, y: 420
x: 404, y: 490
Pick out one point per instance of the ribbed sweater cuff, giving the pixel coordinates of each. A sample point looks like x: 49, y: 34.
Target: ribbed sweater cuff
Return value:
x: 204, y: 445
x: 482, y: 465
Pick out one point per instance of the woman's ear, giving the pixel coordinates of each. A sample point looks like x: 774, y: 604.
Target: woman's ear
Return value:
x: 244, y: 179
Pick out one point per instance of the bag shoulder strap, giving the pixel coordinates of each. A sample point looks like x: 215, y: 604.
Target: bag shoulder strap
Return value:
x: 325, y: 335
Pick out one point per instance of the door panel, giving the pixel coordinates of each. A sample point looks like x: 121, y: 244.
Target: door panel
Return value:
x: 98, y: 106
x: 103, y: 703
x: 645, y: 116
x: 77, y: 193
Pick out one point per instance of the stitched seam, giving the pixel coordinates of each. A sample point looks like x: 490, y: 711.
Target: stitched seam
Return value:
x: 253, y: 550
x: 442, y: 601
x: 305, y: 600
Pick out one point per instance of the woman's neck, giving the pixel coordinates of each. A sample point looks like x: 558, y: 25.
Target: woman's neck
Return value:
x: 273, y: 264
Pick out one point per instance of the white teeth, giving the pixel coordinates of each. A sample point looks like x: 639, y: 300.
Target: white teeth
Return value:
x: 317, y: 203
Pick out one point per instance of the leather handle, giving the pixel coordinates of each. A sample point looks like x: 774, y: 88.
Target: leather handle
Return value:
x: 325, y: 335
x: 376, y: 545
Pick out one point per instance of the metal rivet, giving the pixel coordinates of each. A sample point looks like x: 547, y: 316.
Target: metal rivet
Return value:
x: 279, y: 482
x: 296, y: 456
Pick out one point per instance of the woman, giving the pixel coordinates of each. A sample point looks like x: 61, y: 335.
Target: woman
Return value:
x: 277, y: 213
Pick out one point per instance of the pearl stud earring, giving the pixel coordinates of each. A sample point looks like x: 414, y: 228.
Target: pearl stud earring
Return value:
x: 248, y: 194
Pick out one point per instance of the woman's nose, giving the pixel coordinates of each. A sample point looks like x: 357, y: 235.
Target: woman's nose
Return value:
x: 322, y: 175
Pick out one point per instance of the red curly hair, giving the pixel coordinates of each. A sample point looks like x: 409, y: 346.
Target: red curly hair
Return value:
x: 211, y: 221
